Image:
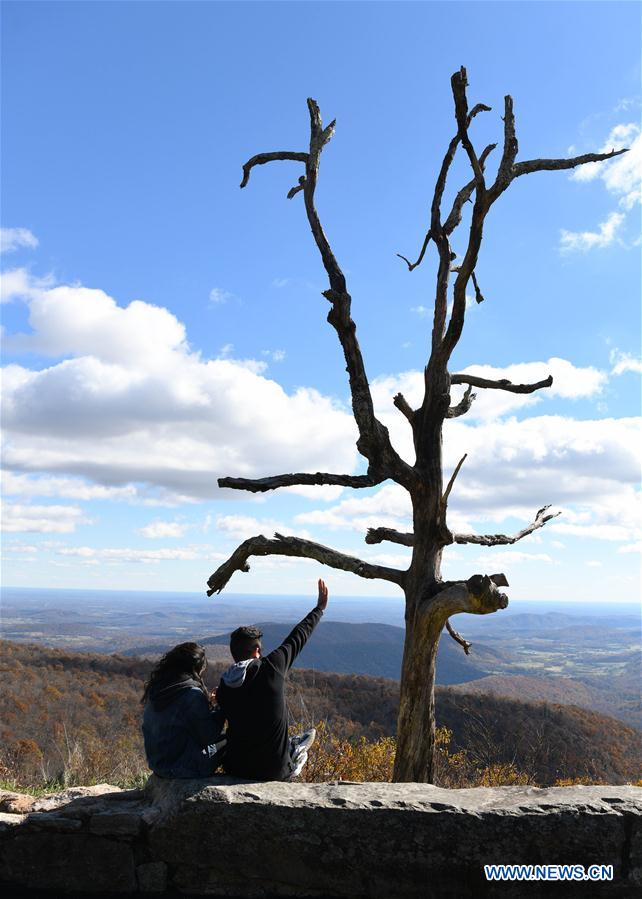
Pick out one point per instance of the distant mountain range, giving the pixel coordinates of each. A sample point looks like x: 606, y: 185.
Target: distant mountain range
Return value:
x: 373, y: 649
x: 565, y: 652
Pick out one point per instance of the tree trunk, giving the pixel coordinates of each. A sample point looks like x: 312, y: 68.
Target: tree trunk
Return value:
x: 414, y: 759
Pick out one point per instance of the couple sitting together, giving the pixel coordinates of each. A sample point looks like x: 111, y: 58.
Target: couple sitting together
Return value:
x: 183, y: 723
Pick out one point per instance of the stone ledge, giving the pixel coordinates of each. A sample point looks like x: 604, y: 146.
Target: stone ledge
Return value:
x: 225, y: 837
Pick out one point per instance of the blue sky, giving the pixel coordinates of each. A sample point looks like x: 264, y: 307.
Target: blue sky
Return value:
x: 163, y: 328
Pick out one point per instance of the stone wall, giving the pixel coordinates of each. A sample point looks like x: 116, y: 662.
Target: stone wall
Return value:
x: 222, y: 837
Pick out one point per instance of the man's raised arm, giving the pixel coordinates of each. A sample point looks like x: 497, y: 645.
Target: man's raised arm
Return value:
x: 283, y: 657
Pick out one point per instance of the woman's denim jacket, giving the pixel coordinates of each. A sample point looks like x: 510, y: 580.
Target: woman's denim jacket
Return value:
x: 178, y: 728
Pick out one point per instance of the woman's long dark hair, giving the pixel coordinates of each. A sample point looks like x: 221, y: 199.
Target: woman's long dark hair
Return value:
x: 187, y: 660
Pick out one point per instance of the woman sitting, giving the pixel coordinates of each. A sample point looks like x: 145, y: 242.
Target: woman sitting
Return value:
x: 182, y: 731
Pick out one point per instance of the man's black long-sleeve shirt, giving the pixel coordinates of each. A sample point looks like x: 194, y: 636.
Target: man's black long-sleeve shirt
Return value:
x: 257, y: 725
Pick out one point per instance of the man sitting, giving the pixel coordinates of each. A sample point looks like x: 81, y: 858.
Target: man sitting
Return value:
x: 251, y: 696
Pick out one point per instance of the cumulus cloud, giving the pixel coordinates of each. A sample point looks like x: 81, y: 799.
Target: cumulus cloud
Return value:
x: 622, y: 175
x: 14, y: 238
x: 19, y: 283
x: 583, y: 241
x: 508, y: 557
x: 623, y: 362
x: 70, y: 488
x: 156, y: 530
x: 569, y: 382
x: 240, y: 527
x: 18, y: 518
x: 588, y: 469
x: 126, y: 401
x: 124, y: 555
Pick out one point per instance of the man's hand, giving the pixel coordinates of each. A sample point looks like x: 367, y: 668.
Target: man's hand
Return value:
x: 323, y: 595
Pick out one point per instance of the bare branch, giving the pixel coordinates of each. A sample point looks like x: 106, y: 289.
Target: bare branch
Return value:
x: 404, y: 407
x: 463, y: 405
x: 294, y: 190
x: 449, y: 487
x: 459, y: 82
x: 505, y: 171
x: 412, y: 265
x: 548, y: 165
x: 458, y: 638
x: 377, y: 535
x: 305, y: 549
x: 262, y: 485
x: 502, y: 384
x: 464, y: 195
x: 503, y: 539
x: 478, y: 294
x: 262, y: 158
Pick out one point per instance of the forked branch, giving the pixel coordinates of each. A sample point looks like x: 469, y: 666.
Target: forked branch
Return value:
x: 303, y: 549
x: 377, y: 535
x: 503, y: 539
x: 463, y: 405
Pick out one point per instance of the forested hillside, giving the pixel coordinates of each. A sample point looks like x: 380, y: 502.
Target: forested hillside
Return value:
x: 75, y: 717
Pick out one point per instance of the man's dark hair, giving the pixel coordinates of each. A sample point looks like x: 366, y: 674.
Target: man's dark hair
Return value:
x: 243, y: 642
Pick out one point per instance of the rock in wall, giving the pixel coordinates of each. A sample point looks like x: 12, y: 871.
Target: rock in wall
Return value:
x: 224, y: 837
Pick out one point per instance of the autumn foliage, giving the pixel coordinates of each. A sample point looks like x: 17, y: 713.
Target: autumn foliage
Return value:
x: 74, y: 718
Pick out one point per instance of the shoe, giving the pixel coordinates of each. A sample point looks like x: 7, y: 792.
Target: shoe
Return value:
x: 303, y: 742
x: 298, y: 763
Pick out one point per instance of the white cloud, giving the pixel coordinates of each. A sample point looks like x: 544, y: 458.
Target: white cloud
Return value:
x: 41, y: 519
x: 593, y: 563
x: 588, y: 469
x: 569, y: 382
x: 124, y: 555
x: 507, y: 557
x: 133, y: 404
x: 631, y: 547
x: 610, y: 532
x: 274, y: 355
x: 13, y: 238
x: 81, y: 321
x: 240, y: 527
x: 582, y: 241
x: 623, y: 362
x: 218, y: 296
x: 70, y: 488
x: 156, y: 530
x: 622, y: 175
x: 18, y: 283
x: 389, y: 506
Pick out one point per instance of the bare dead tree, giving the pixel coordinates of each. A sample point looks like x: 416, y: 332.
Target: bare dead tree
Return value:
x: 430, y: 601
